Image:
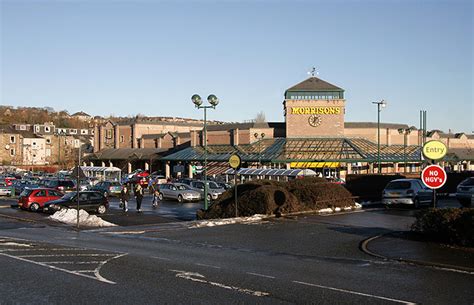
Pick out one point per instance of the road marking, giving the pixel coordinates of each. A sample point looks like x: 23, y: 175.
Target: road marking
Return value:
x: 261, y: 275
x: 11, y: 243
x: 197, y: 277
x: 71, y: 262
x: 210, y: 266
x: 43, y: 249
x: 356, y: 293
x: 162, y: 258
x: 342, y: 213
x: 63, y: 255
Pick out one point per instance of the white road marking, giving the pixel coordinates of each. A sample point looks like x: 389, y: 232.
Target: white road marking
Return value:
x: 196, y: 277
x: 356, y: 293
x: 72, y: 262
x: 43, y: 249
x: 261, y: 275
x: 342, y: 213
x: 11, y: 243
x: 210, y: 266
x: 162, y: 258
x: 63, y: 255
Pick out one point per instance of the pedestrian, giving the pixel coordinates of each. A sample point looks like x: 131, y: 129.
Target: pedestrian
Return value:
x: 155, y: 191
x: 139, y: 196
x: 125, y: 197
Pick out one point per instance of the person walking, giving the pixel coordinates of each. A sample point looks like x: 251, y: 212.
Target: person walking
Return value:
x: 125, y: 197
x: 154, y: 189
x: 139, y: 196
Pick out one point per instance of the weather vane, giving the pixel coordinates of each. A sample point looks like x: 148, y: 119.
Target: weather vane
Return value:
x: 313, y: 72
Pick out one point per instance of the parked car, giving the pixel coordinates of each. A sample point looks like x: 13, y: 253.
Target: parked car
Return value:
x: 465, y: 192
x: 406, y: 191
x: 89, y: 201
x: 213, y: 191
x: 178, y: 191
x: 64, y: 186
x: 108, y: 188
x: 186, y: 180
x: 5, y: 190
x: 35, y: 199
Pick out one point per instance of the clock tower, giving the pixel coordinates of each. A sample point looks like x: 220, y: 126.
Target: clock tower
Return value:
x: 314, y: 108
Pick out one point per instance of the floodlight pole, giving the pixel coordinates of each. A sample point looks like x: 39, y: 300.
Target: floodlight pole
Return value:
x: 380, y: 105
x: 78, y: 181
x: 213, y: 101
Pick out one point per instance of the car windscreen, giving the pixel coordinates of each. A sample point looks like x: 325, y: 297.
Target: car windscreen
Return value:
x: 26, y: 193
x: 69, y: 196
x: 182, y: 187
x: 468, y: 182
x: 213, y: 185
x: 398, y: 185
x: 66, y: 183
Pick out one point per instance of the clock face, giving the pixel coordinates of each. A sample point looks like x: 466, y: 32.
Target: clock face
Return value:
x: 314, y: 120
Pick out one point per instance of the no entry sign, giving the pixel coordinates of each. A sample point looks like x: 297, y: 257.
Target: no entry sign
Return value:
x: 433, y: 176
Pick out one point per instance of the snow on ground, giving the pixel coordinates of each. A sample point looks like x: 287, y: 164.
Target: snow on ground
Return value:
x: 69, y: 216
x: 227, y: 221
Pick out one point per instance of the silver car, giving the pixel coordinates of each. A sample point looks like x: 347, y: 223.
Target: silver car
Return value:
x: 406, y: 191
x: 465, y: 192
x: 5, y: 190
x: 213, y: 191
x: 178, y: 191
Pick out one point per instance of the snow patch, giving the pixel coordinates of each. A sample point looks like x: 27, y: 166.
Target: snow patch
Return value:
x: 227, y: 221
x: 69, y: 216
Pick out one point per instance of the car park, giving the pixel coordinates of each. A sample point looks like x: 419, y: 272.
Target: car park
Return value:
x: 35, y: 199
x: 406, y: 192
x: 89, y: 201
x: 108, y: 188
x: 178, y: 191
x: 465, y: 192
x: 213, y: 190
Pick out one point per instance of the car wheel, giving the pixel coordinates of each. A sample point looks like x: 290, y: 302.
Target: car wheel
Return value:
x: 101, y: 209
x: 180, y: 199
x: 160, y: 196
x: 34, y: 207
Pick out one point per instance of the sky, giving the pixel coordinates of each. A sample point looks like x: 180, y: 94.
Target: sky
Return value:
x: 149, y: 57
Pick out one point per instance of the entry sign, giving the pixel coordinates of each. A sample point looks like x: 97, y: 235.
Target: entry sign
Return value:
x: 234, y: 161
x: 434, y: 150
x: 433, y: 176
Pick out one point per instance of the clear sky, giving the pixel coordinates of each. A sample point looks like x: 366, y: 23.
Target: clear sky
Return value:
x: 149, y: 57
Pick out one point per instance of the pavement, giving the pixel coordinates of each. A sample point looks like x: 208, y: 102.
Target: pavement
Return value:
x: 400, y: 246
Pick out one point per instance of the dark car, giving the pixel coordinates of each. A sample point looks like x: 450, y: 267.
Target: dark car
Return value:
x: 108, y: 188
x: 89, y: 201
x: 35, y: 199
x: 64, y: 186
x: 408, y: 192
x: 465, y: 192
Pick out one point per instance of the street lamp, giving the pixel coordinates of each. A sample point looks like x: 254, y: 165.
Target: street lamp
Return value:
x: 262, y: 135
x: 213, y: 101
x: 405, y: 132
x: 380, y: 105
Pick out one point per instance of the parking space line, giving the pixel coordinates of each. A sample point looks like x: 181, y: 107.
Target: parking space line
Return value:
x: 210, y: 266
x: 355, y: 293
x: 63, y: 255
x: 72, y: 262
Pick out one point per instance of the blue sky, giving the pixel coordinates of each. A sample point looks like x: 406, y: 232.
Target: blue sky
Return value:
x: 149, y: 57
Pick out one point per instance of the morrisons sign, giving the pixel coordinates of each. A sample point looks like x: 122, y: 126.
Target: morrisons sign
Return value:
x: 315, y: 110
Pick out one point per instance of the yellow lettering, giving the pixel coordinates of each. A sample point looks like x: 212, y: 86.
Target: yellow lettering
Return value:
x: 313, y: 110
x: 307, y: 110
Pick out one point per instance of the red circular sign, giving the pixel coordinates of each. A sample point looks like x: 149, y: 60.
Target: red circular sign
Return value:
x: 433, y: 176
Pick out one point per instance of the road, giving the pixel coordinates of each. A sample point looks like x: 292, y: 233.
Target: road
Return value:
x: 311, y: 259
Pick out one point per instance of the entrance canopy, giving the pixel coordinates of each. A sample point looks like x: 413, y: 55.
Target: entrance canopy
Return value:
x: 102, y: 173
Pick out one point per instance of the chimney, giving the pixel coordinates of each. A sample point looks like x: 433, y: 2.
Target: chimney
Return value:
x: 235, y: 136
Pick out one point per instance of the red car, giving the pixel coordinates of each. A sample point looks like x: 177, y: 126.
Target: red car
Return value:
x: 34, y: 199
x: 9, y: 181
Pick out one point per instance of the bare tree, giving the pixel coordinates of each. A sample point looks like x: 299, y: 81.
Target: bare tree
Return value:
x: 260, y: 118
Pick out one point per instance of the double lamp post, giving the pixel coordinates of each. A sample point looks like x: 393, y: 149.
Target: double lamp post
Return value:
x: 213, y: 101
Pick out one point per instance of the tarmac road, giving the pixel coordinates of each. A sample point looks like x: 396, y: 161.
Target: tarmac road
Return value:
x: 299, y: 261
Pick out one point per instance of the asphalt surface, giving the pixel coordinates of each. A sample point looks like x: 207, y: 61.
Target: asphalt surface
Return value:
x: 295, y: 260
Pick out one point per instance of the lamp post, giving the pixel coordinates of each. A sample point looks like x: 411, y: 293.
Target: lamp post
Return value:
x: 380, y: 105
x: 262, y: 135
x: 405, y: 132
x: 60, y: 132
x: 213, y: 101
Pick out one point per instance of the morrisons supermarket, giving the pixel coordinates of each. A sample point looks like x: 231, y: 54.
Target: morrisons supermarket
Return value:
x: 313, y: 136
